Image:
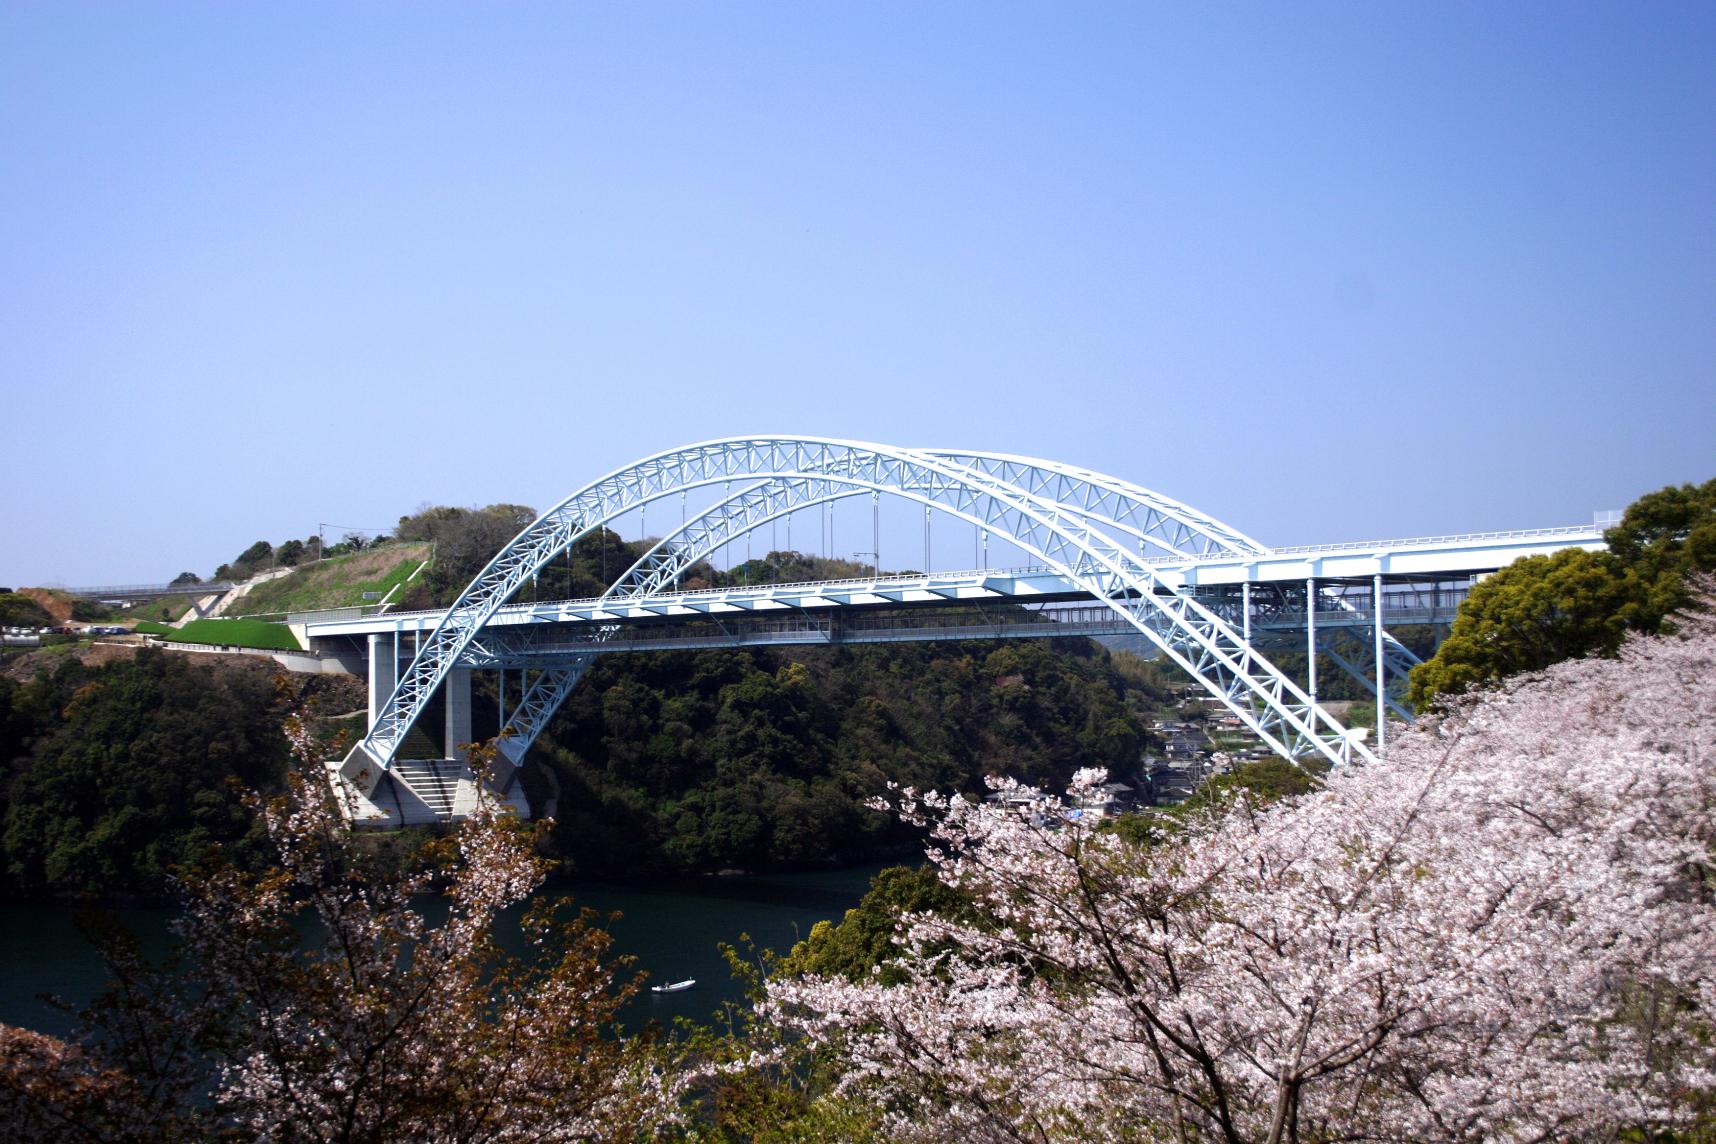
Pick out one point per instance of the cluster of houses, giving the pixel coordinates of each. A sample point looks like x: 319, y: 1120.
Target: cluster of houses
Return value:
x: 1183, y: 765
x: 1113, y: 798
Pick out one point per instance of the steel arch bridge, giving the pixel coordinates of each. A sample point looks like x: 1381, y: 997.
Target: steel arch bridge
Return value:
x: 1100, y: 533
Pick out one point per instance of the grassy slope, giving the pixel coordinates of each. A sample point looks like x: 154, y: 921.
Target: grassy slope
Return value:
x: 336, y: 583
x: 165, y: 608
x: 238, y: 633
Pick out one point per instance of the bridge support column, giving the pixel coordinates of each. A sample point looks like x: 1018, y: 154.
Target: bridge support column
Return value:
x: 457, y: 693
x: 1381, y: 666
x: 383, y: 672
x: 1311, y: 639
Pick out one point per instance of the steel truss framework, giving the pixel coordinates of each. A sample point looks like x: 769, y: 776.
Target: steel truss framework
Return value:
x: 1098, y: 531
x: 1356, y: 656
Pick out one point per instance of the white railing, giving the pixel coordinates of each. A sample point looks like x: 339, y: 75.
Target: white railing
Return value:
x: 902, y: 578
x: 1441, y: 541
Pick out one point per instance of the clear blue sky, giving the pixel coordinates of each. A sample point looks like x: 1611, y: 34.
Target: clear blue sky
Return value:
x: 1325, y: 271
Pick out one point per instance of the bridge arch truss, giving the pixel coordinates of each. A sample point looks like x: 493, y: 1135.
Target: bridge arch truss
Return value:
x: 1098, y: 531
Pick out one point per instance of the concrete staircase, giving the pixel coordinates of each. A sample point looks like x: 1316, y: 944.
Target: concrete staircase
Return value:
x: 420, y: 792
x: 434, y: 782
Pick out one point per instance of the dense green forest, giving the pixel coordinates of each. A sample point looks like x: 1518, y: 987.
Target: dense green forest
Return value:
x: 112, y: 775
x: 673, y: 762
x: 715, y: 759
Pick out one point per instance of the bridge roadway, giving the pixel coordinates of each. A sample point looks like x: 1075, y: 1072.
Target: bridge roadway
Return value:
x: 1429, y: 575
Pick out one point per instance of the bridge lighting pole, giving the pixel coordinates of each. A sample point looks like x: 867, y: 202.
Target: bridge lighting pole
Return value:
x: 926, y: 539
x: 1245, y: 611
x: 876, y: 528
x: 1311, y: 639
x: 1381, y: 666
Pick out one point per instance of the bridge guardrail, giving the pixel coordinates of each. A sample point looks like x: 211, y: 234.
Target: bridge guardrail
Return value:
x: 326, y: 615
x: 201, y: 589
x: 902, y: 578
x: 1420, y: 541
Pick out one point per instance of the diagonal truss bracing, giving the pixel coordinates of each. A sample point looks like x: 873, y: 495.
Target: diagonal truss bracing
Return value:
x: 1357, y: 657
x: 541, y: 700
x: 1067, y: 518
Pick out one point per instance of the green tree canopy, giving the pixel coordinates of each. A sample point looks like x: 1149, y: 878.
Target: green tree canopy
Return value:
x: 864, y: 938
x: 113, y: 775
x: 720, y: 758
x: 18, y: 610
x: 256, y: 553
x: 1544, y: 609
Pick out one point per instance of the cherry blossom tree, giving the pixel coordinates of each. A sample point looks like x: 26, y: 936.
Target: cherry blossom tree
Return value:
x: 52, y: 1089
x: 331, y: 1007
x: 390, y: 1028
x: 1505, y: 930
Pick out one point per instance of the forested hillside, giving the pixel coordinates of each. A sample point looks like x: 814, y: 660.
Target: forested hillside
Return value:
x: 111, y: 775
x: 714, y: 759
x: 675, y: 762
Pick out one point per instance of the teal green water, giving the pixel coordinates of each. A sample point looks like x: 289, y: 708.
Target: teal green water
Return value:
x: 673, y: 929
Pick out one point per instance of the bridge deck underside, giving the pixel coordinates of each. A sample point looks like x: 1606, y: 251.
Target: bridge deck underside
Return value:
x: 1277, y: 621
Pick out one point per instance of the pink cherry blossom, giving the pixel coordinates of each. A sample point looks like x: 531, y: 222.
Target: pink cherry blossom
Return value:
x: 1503, y: 931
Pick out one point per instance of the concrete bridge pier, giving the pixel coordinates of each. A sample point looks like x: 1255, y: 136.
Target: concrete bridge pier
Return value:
x: 457, y: 692
x: 383, y: 672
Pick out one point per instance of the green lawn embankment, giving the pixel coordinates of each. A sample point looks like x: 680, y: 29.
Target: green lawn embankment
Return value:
x: 339, y: 582
x: 234, y: 633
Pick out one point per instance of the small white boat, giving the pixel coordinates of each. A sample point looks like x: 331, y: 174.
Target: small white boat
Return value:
x: 676, y: 987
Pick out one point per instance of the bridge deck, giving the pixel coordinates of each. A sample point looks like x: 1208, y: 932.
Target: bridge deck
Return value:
x: 536, y: 647
x: 1420, y: 560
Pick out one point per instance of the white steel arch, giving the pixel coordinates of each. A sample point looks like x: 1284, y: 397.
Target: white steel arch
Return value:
x: 1108, y: 502
x: 1061, y: 515
x: 1169, y: 524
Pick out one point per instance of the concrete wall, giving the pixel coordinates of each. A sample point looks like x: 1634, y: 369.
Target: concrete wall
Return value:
x: 301, y: 661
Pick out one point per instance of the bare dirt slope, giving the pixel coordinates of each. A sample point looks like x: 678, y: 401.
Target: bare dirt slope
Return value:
x: 56, y: 604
